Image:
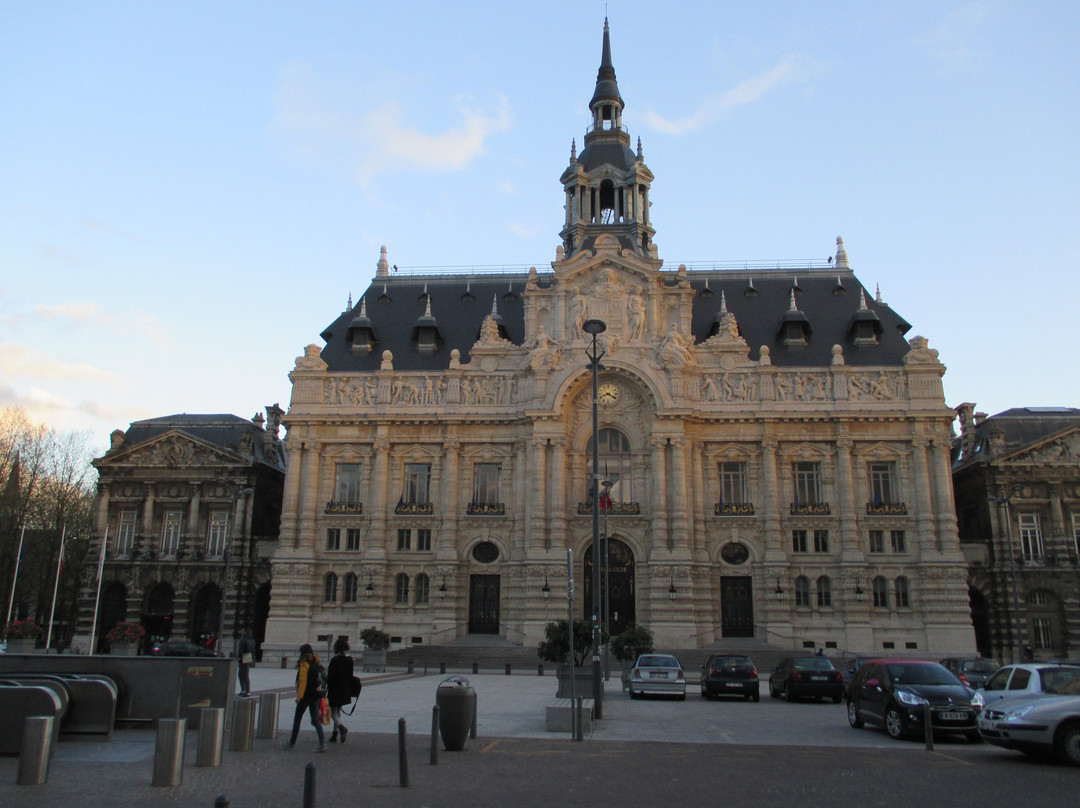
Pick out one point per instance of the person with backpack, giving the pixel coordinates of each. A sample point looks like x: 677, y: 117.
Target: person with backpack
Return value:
x: 339, y: 675
x: 310, y: 690
x: 245, y: 653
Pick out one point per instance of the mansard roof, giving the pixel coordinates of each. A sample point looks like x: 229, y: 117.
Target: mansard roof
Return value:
x: 1010, y: 431
x: 223, y: 430
x: 461, y: 302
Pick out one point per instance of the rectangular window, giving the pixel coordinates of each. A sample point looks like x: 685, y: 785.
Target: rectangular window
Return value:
x: 881, y: 594
x: 333, y: 538
x: 1038, y: 599
x: 824, y: 592
x: 352, y: 538
x: 899, y: 541
x: 125, y: 533
x: 733, y: 483
x: 821, y: 541
x: 423, y: 539
x: 883, y: 483
x: 404, y: 538
x: 1044, y: 635
x: 401, y: 589
x: 218, y: 534
x: 903, y: 597
x: 1031, y: 543
x: 417, y: 482
x: 877, y: 541
x: 807, y: 480
x: 798, y: 541
x: 422, y: 586
x: 170, y: 533
x: 347, y: 483
x: 486, y: 484
x: 802, y: 592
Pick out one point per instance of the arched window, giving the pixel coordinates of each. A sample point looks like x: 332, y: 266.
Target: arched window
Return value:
x: 903, y: 597
x: 615, y: 465
x: 351, y: 585
x: 401, y: 588
x: 330, y: 590
x: 824, y: 591
x: 881, y: 593
x: 802, y: 592
x: 422, y: 586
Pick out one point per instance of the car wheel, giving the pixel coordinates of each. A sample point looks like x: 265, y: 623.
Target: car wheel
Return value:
x: 772, y: 691
x: 787, y: 693
x: 853, y: 715
x: 894, y: 724
x: 1067, y: 745
x: 633, y: 694
x: 682, y: 697
x: 835, y: 699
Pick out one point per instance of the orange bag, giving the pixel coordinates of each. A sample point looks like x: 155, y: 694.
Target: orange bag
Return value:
x: 324, y: 711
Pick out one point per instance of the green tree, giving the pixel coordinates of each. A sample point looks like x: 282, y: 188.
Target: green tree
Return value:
x: 556, y: 644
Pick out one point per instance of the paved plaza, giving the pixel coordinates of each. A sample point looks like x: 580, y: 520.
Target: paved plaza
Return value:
x: 643, y: 751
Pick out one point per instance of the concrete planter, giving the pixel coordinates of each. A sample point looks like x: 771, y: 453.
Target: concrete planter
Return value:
x: 583, y: 682
x: 125, y: 649
x: 22, y: 645
x: 374, y: 661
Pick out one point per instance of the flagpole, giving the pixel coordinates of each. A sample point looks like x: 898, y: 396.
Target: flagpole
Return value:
x: 56, y: 588
x: 97, y: 597
x: 15, y: 579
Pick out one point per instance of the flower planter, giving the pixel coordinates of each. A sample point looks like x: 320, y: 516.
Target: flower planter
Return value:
x: 374, y: 661
x: 21, y: 645
x: 583, y: 682
x: 124, y: 649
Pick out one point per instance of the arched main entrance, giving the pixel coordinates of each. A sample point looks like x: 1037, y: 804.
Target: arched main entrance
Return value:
x: 206, y: 613
x: 616, y: 583
x: 158, y: 617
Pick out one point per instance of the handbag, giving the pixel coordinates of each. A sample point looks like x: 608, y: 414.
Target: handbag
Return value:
x: 246, y: 658
x: 355, y: 686
x: 324, y: 711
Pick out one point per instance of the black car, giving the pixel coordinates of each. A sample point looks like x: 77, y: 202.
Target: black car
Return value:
x: 181, y: 648
x: 806, y: 677
x: 894, y: 693
x: 729, y: 675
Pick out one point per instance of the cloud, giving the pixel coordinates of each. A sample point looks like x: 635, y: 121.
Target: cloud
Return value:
x: 24, y: 361
x: 132, y: 323
x: 791, y: 68
x: 79, y: 311
x: 953, y: 42
x: 382, y: 138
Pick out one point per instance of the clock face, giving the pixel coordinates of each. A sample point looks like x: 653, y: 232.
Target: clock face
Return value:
x: 608, y: 394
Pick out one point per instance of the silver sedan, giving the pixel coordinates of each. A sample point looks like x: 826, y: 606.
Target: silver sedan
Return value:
x: 1046, y: 725
x: 657, y: 674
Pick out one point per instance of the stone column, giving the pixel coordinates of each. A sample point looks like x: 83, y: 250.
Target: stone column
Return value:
x: 290, y: 513
x: 557, y: 520
x: 770, y: 507
x: 101, y: 520
x: 946, y: 533
x: 659, y: 487
x: 850, y: 541
x: 536, y: 495
x: 148, y: 510
x: 192, y: 526
x: 679, y: 520
x: 451, y: 493
x: 924, y: 505
x: 309, y: 495
x: 376, y: 545
x: 1057, y: 514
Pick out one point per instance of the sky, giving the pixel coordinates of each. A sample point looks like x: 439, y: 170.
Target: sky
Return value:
x: 190, y: 192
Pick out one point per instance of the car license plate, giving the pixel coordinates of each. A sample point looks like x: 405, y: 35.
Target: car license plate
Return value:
x: 657, y: 675
x: 734, y: 684
x: 952, y: 716
x: 818, y: 678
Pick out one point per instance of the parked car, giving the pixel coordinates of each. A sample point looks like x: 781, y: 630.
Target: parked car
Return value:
x: 657, y: 675
x: 1043, y: 724
x: 1028, y: 679
x: 893, y: 693
x: 972, y: 671
x: 806, y: 677
x: 730, y: 675
x: 851, y: 667
x: 181, y: 648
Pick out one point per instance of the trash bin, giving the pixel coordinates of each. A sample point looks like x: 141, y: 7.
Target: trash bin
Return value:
x: 456, y: 701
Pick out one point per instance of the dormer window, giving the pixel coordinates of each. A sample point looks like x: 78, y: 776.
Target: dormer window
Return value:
x: 794, y: 336
x: 361, y: 332
x: 864, y: 327
x: 426, y: 331
x: 794, y: 327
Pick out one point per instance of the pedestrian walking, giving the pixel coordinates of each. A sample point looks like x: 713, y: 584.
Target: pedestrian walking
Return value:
x: 245, y: 652
x: 339, y: 674
x: 310, y: 689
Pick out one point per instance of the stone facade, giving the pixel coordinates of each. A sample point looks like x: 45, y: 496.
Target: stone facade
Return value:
x: 777, y: 452
x: 1017, y: 481
x: 188, y: 510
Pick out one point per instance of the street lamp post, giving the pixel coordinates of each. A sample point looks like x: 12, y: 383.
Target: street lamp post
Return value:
x: 596, y: 327
x: 1017, y: 621
x: 606, y: 499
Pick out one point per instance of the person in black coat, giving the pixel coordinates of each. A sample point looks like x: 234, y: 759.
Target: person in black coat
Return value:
x: 339, y: 674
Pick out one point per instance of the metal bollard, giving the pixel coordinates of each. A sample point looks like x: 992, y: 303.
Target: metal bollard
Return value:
x: 211, y: 736
x: 309, y: 785
x: 442, y: 667
x: 221, y: 801
x: 169, y: 752
x: 476, y: 667
x: 243, y: 725
x: 472, y: 729
x: 507, y: 668
x: 36, y: 750
x: 403, y: 760
x: 539, y: 669
x: 577, y: 707
x: 284, y: 662
x: 268, y: 715
x: 410, y: 666
x: 434, y: 759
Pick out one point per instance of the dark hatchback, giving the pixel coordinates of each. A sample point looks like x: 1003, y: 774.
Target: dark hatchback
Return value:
x: 806, y: 677
x: 893, y: 693
x: 181, y: 648
x: 972, y: 671
x: 730, y: 675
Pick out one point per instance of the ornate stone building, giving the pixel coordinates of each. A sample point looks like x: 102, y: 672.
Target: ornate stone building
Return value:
x: 776, y: 453
x: 1017, y: 481
x: 189, y: 506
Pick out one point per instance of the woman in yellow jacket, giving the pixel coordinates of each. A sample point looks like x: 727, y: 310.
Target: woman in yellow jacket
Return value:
x: 307, y: 696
